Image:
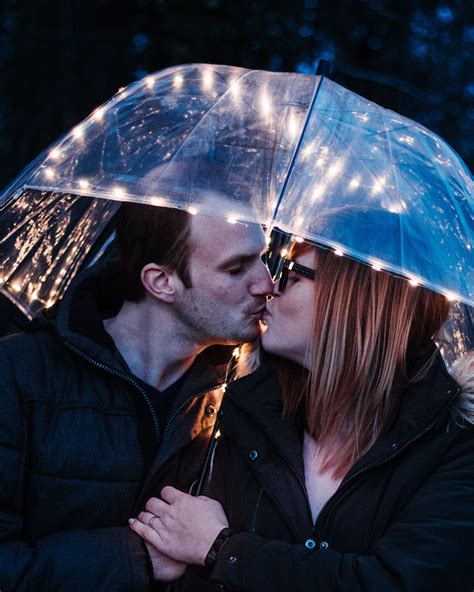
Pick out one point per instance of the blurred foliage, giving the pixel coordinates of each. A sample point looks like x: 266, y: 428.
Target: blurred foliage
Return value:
x: 59, y: 59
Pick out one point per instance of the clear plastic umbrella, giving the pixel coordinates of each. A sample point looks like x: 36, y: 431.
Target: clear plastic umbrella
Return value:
x: 293, y: 151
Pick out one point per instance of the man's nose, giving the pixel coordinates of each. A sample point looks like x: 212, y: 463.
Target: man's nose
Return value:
x: 263, y: 283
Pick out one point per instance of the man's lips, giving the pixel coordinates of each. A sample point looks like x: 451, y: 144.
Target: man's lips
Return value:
x: 258, y: 313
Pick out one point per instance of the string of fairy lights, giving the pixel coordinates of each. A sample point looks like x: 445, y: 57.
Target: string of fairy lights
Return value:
x: 326, y: 170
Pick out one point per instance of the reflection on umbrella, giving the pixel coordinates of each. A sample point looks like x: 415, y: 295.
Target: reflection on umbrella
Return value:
x: 292, y: 151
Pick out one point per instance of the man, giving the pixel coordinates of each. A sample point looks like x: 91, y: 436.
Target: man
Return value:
x: 115, y: 388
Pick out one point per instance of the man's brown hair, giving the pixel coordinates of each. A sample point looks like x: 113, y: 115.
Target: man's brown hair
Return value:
x: 151, y: 234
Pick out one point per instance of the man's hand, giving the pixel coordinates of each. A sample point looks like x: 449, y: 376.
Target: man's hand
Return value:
x: 185, y: 527
x: 164, y: 568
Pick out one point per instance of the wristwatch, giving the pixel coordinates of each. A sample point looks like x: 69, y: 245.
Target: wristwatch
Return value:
x: 217, y: 545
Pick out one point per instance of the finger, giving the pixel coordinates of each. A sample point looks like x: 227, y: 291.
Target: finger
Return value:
x: 147, y: 533
x: 157, y: 506
x: 170, y: 494
x: 150, y: 519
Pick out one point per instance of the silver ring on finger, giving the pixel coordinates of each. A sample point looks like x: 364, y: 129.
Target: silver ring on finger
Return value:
x: 150, y: 522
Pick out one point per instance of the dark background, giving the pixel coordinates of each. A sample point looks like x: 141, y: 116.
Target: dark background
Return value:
x: 59, y: 59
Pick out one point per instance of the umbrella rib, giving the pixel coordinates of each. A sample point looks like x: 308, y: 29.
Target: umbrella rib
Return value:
x: 295, y: 153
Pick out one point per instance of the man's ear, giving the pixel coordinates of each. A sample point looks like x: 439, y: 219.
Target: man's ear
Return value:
x: 160, y: 282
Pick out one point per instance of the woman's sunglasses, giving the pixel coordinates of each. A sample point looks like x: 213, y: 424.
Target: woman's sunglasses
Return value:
x: 288, y: 266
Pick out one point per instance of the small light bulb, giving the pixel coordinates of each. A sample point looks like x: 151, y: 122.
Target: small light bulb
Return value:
x: 284, y: 252
x: 49, y: 173
x: 232, y: 220
x: 413, y: 282
x: 149, y: 81
x: 83, y: 183
x: 78, y: 132
x: 376, y: 266
x: 55, y: 154
x: 118, y: 192
x: 338, y: 252
x: 299, y: 239
x: 192, y: 210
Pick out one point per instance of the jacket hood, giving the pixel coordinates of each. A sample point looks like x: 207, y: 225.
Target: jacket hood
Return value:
x: 463, y: 373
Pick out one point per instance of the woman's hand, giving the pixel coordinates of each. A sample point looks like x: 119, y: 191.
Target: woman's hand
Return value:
x: 184, y: 528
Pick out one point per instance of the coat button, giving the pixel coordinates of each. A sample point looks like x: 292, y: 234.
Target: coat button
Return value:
x: 324, y: 545
x: 310, y: 544
x: 232, y: 559
x: 210, y: 410
x: 253, y: 455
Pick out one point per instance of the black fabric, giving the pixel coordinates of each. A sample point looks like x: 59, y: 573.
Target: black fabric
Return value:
x: 402, y: 519
x: 73, y: 428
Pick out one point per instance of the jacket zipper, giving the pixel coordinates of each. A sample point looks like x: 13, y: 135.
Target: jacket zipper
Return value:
x: 333, y: 499
x: 126, y: 377
x: 178, y: 410
x: 129, y: 379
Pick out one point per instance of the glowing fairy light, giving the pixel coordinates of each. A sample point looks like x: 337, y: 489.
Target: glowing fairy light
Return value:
x: 335, y: 168
x: 122, y: 88
x: 265, y: 104
x: 378, y: 185
x: 192, y: 210
x: 236, y: 353
x: 55, y: 154
x: 232, y: 220
x: 78, y: 132
x: 16, y: 286
x: 150, y: 81
x: 299, y: 239
x: 157, y: 201
x: 307, y: 150
x: 299, y: 221
x: 118, y: 192
x: 395, y: 209
x: 83, y: 183
x: 338, y: 252
x: 317, y: 193
x: 292, y: 126
x: 34, y: 295
x: 49, y: 303
x: 49, y: 173
x: 413, y: 282
x: 450, y: 297
x: 321, y: 160
x: 178, y: 81
x: 284, y: 252
x: 234, y: 88
x: 207, y: 79
x: 376, y: 266
x: 354, y: 183
x: 98, y: 114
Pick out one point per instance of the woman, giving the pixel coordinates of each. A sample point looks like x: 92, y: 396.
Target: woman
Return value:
x: 350, y: 468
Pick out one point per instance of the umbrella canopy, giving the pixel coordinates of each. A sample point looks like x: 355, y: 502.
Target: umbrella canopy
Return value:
x: 293, y: 151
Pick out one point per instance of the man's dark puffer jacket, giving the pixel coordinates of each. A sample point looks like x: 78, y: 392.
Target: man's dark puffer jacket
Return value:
x: 74, y: 422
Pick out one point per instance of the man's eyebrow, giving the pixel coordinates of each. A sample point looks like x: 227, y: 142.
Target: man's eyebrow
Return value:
x: 239, y: 258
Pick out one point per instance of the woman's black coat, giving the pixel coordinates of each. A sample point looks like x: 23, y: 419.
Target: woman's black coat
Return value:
x: 401, y: 520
